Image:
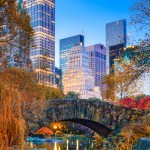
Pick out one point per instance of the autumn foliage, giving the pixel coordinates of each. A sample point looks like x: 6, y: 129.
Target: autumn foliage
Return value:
x: 129, y: 102
x: 21, y: 101
x: 142, y: 104
x: 14, y: 85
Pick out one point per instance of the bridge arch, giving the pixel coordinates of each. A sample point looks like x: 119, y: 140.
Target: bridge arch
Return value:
x: 95, y: 126
x: 102, y: 117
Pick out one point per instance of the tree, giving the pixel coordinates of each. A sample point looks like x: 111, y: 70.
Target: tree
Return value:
x: 18, y: 105
x: 53, y: 93
x: 134, y: 131
x: 109, y: 93
x: 15, y: 30
x: 141, y: 20
x: 72, y: 96
x: 16, y: 87
x: 128, y: 102
x: 123, y: 76
x: 141, y: 13
x: 49, y: 93
x: 118, y: 83
x: 144, y: 103
x: 141, y: 61
x: 128, y: 138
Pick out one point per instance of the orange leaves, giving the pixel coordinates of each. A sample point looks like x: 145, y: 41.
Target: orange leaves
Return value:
x: 22, y: 80
x: 16, y: 87
x: 134, y: 131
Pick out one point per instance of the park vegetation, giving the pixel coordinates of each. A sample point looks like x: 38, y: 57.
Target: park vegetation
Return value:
x: 125, y: 81
x: 15, y: 29
x: 122, y: 85
x: 21, y: 100
x: 131, y: 102
x: 21, y: 97
x: 128, y: 138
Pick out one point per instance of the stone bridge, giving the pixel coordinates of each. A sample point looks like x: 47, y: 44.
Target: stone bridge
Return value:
x: 102, y: 117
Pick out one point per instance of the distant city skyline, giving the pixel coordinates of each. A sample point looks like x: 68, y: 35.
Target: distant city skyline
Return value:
x: 88, y: 17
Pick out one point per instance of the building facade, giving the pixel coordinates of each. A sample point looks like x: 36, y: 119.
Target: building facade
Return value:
x: 65, y: 45
x: 42, y: 54
x: 78, y: 77
x: 97, y: 54
x: 115, y: 42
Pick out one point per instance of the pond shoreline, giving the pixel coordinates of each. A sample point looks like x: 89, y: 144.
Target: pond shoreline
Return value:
x: 66, y: 142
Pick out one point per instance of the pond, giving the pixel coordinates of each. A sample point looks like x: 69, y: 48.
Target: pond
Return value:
x: 65, y: 143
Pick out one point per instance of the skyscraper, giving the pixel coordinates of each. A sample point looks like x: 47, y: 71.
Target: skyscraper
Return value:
x: 78, y: 77
x: 97, y: 55
x: 115, y: 41
x: 65, y: 45
x: 42, y: 55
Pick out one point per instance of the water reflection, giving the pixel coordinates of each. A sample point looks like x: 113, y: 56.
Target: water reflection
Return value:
x: 77, y: 147
x: 67, y: 144
x: 55, y: 148
x: 63, y: 145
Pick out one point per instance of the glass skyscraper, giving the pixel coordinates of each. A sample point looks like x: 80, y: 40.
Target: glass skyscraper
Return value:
x: 115, y: 41
x: 42, y: 54
x: 65, y: 45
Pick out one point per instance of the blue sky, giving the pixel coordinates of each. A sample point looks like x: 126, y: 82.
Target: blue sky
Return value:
x: 89, y: 16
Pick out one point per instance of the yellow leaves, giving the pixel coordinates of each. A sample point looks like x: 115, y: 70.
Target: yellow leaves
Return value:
x: 134, y: 131
x: 98, y: 140
x: 110, y: 90
x: 118, y: 83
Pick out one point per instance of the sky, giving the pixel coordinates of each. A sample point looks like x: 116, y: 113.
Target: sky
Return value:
x: 88, y: 17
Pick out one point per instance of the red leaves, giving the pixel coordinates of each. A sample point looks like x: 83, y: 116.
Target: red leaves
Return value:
x: 143, y: 104
x: 129, y: 102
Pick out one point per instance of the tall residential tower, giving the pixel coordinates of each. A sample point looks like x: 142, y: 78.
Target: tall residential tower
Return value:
x: 115, y: 41
x: 42, y: 54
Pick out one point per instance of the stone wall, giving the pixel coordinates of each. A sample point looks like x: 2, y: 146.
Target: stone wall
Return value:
x: 109, y: 115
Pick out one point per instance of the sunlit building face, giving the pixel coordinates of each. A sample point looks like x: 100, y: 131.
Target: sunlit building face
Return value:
x: 78, y: 77
x: 65, y: 45
x: 42, y: 54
